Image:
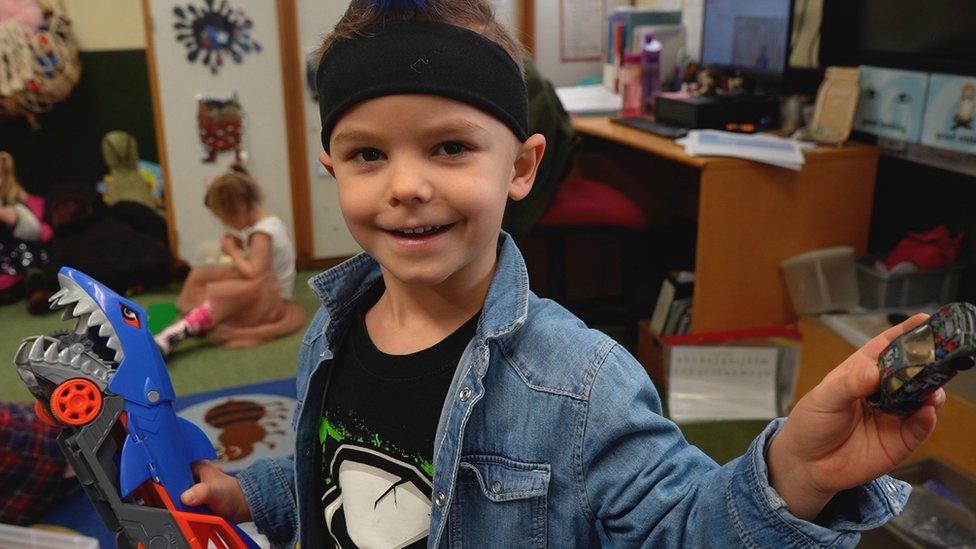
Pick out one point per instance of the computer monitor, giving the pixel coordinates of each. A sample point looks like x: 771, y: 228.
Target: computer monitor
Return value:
x: 752, y: 36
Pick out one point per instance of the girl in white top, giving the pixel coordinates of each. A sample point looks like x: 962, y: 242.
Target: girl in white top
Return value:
x: 23, y: 259
x: 14, y: 213
x: 247, y: 303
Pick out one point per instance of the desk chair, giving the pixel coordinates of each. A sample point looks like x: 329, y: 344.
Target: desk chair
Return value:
x: 586, y: 207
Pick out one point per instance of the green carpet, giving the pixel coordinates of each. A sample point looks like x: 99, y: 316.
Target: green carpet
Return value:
x: 195, y: 366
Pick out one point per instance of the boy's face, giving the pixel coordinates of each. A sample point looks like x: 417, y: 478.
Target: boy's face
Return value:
x: 423, y: 182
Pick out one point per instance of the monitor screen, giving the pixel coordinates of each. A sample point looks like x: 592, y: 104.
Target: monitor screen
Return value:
x: 751, y: 35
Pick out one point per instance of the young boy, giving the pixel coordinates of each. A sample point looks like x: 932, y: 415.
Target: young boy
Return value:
x: 442, y: 403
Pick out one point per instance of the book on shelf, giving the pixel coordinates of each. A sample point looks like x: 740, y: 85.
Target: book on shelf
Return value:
x: 677, y: 285
x: 678, y: 309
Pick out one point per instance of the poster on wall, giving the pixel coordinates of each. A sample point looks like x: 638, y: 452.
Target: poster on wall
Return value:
x: 210, y: 33
x: 581, y: 29
x: 220, y: 123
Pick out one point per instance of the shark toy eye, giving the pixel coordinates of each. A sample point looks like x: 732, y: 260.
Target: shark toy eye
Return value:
x: 130, y: 317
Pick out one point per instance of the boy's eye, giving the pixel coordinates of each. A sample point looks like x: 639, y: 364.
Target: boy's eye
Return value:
x: 452, y: 148
x: 368, y: 155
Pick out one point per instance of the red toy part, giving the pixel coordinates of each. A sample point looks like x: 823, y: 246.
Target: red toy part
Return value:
x: 200, y: 531
x: 76, y: 402
x: 42, y: 414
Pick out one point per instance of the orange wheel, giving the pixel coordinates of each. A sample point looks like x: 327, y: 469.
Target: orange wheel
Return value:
x: 42, y: 414
x: 76, y: 402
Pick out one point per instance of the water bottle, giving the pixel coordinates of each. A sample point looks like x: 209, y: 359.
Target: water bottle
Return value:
x: 650, y: 72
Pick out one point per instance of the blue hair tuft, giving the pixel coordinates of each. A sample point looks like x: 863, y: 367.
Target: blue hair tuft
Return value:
x: 385, y: 5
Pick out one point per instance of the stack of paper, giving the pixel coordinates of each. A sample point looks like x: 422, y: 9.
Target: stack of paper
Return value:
x: 593, y: 99
x: 785, y: 153
x: 722, y: 383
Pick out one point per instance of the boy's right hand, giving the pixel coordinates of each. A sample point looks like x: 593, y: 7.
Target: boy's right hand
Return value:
x: 218, y: 491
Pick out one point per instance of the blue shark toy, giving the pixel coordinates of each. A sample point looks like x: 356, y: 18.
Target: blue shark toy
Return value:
x: 105, y: 383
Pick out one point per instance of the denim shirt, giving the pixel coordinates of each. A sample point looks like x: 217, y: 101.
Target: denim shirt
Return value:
x: 552, y: 435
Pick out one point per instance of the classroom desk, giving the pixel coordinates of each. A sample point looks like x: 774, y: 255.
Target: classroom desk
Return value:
x: 751, y: 216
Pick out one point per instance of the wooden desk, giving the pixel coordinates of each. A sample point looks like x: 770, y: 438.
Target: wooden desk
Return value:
x: 952, y: 441
x: 752, y: 216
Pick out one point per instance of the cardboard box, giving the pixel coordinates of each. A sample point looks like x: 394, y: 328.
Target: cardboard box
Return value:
x: 892, y: 103
x: 950, y: 113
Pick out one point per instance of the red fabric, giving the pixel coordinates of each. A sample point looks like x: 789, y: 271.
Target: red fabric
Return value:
x: 31, y: 465
x: 8, y: 281
x: 585, y: 202
x: 36, y: 205
x: 935, y: 249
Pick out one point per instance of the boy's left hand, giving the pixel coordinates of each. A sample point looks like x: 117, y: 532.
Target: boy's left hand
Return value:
x: 833, y: 440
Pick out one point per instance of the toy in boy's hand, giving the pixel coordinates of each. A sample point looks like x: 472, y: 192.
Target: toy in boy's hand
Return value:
x: 106, y: 385
x: 920, y: 361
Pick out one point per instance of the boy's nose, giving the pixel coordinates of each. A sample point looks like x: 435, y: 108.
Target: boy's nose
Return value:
x: 408, y: 184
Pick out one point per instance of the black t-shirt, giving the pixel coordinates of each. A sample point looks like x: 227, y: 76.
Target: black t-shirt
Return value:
x: 377, y: 436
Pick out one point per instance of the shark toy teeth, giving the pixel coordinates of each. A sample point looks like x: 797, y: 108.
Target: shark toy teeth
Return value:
x: 57, y: 361
x: 76, y: 303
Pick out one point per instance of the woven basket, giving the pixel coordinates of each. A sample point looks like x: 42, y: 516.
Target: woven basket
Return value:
x: 41, y: 67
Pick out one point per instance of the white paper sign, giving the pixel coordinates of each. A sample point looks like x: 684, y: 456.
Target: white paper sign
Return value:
x: 722, y: 383
x: 581, y: 29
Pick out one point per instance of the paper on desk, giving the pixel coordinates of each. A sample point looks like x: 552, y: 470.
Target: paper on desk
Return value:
x: 708, y: 383
x: 768, y: 149
x: 594, y: 99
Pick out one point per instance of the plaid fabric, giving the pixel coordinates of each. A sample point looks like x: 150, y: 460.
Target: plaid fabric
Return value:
x: 31, y: 465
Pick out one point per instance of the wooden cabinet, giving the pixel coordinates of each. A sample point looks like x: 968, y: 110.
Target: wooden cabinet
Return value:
x: 752, y: 216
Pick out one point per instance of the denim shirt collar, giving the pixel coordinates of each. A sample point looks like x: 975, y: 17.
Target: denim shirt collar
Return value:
x: 505, y: 309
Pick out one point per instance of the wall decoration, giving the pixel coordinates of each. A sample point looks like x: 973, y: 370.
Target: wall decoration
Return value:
x: 220, y: 125
x: 38, y: 58
x: 210, y: 33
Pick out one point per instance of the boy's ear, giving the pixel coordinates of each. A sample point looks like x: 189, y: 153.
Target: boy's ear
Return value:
x: 326, y: 161
x: 526, y: 166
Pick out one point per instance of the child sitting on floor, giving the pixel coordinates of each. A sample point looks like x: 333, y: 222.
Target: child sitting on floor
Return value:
x: 248, y: 303
x: 21, y: 255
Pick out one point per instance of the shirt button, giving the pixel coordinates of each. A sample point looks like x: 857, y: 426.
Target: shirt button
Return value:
x: 307, y: 452
x: 465, y: 394
x: 496, y: 487
x: 440, y: 499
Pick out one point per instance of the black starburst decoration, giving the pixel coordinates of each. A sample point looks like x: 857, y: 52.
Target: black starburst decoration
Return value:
x: 215, y: 32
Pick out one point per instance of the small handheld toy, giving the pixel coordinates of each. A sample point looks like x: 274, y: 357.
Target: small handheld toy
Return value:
x: 920, y: 361
x: 106, y: 385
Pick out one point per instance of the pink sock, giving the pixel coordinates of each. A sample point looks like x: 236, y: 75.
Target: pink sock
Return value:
x: 200, y: 319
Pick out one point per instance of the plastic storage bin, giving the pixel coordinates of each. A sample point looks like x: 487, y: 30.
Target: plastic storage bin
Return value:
x: 822, y: 280
x: 893, y: 535
x: 19, y: 537
x: 905, y: 290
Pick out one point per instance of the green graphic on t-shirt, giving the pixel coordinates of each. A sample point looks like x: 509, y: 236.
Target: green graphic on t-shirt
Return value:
x: 333, y: 431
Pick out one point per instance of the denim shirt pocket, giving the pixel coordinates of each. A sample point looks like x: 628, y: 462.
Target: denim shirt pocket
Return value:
x: 499, y: 502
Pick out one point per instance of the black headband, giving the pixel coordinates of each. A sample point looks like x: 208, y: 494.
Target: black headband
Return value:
x: 413, y: 56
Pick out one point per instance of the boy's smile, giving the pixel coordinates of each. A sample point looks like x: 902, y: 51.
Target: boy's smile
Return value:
x: 423, y: 182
